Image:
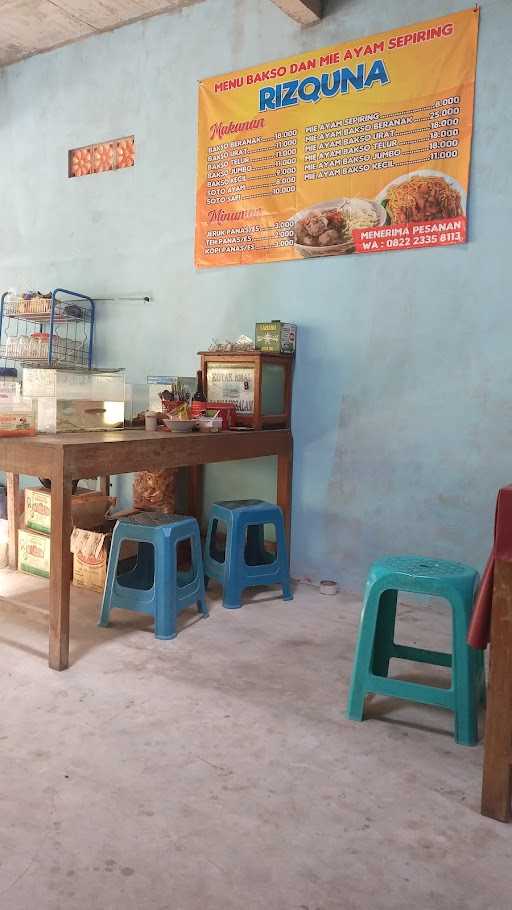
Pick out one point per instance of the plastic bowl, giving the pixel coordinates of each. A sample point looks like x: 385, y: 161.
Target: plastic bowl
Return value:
x: 209, y: 424
x: 180, y: 426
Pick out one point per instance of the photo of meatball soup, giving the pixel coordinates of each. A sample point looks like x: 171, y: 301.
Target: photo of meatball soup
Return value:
x: 322, y: 228
x: 327, y: 230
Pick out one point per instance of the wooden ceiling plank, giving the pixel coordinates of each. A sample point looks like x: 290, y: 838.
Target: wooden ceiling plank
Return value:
x: 305, y: 12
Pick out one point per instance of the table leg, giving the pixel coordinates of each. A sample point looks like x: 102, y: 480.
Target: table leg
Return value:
x: 195, y: 481
x: 105, y: 485
x: 13, y: 516
x: 497, y: 779
x: 60, y: 572
x: 284, y: 490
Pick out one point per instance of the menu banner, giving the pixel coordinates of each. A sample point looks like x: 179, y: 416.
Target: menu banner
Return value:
x: 360, y: 147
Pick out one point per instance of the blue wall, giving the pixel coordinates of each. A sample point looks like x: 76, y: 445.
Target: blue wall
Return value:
x: 403, y: 384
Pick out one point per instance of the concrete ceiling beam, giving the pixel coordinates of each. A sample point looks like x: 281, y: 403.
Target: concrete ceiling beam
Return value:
x: 305, y: 12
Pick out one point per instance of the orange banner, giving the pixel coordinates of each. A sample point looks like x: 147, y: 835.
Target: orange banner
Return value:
x: 357, y: 148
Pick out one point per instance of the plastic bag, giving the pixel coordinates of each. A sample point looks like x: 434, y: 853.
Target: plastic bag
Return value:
x: 155, y: 490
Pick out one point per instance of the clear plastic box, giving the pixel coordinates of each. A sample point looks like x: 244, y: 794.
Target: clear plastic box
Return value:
x: 184, y: 386
x: 136, y: 404
x: 76, y: 415
x: 85, y: 385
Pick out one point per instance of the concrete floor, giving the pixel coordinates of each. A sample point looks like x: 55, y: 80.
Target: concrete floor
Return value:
x: 217, y: 772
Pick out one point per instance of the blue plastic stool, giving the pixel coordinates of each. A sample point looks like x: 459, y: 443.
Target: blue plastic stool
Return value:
x: 155, y: 585
x: 245, y: 563
x: 376, y: 646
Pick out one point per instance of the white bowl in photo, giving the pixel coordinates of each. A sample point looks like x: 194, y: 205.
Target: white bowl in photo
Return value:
x: 345, y: 246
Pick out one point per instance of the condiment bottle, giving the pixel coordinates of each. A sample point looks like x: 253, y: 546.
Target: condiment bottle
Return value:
x: 198, y: 404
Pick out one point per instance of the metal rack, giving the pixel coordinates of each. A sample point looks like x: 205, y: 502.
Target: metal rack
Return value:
x: 65, y: 338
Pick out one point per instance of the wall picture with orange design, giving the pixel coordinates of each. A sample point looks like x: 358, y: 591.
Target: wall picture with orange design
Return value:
x: 113, y: 155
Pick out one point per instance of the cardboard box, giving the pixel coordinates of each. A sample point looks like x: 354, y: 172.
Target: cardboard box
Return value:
x: 276, y: 337
x: 33, y: 553
x: 90, y: 557
x: 88, y: 509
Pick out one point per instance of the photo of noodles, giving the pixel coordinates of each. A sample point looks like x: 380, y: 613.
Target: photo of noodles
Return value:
x: 421, y: 198
x: 326, y: 230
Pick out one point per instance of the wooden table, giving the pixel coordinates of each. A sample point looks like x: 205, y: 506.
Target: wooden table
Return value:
x: 69, y: 456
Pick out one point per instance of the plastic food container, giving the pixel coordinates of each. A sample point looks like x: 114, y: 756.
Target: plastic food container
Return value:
x: 17, y: 346
x: 227, y: 412
x: 210, y: 424
x: 17, y: 417
x: 150, y: 420
x: 39, y: 344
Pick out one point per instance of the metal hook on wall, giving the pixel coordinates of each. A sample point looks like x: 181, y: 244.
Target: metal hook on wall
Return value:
x: 123, y: 297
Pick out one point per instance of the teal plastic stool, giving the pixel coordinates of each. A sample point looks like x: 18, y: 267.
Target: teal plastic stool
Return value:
x: 155, y: 585
x: 244, y: 562
x: 376, y: 646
